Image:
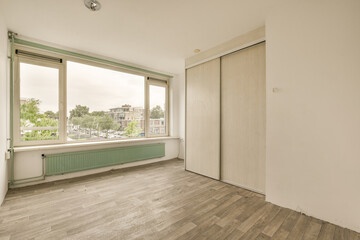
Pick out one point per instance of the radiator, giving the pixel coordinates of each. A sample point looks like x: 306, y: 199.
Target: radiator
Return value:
x: 78, y: 161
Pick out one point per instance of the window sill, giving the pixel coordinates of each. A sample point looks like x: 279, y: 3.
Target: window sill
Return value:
x: 88, y: 144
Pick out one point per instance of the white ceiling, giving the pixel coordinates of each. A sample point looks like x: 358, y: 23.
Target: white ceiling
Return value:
x: 157, y: 34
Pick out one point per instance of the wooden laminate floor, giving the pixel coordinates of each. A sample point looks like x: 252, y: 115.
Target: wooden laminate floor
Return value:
x: 156, y: 201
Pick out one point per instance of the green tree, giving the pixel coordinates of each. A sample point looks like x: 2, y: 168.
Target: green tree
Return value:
x: 106, y: 123
x: 133, y: 129
x: 51, y: 114
x: 30, y: 117
x: 30, y: 110
x: 79, y: 111
x: 90, y: 122
x: 156, y: 112
x: 76, y: 121
x: 98, y: 113
x: 42, y: 134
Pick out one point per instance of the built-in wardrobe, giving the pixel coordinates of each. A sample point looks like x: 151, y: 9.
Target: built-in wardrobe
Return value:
x: 225, y: 118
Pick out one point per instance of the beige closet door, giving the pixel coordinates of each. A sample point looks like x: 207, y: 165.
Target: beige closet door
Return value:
x: 203, y: 119
x: 243, y: 118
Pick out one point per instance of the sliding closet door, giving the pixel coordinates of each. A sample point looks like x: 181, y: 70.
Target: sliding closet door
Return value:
x: 203, y: 119
x: 243, y: 118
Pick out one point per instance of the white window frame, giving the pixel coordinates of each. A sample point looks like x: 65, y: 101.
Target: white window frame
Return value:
x: 160, y: 83
x: 148, y: 80
x: 62, y: 100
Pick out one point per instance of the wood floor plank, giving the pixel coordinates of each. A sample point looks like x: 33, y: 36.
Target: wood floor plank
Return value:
x: 299, y: 229
x: 256, y: 230
x: 262, y: 236
x: 235, y: 234
x: 181, y: 231
x: 155, y: 201
x: 275, y: 224
x: 313, y: 229
x: 327, y: 231
x: 248, y: 223
x: 287, y: 226
x: 354, y: 235
x: 199, y: 229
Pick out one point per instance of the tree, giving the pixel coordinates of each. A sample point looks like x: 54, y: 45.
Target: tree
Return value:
x: 133, y: 129
x: 30, y: 110
x: 76, y: 121
x: 51, y: 114
x: 98, y: 113
x: 156, y: 112
x: 106, y: 123
x: 79, y: 111
x: 30, y: 117
x: 89, y: 122
x: 95, y: 120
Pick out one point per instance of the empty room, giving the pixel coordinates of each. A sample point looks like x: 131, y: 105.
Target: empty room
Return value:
x: 193, y: 119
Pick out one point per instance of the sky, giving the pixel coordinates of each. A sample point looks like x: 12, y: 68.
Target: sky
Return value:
x: 157, y: 96
x: 97, y: 88
x: 40, y: 83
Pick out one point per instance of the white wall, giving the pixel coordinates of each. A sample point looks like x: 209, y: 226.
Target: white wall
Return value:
x: 3, y: 109
x: 313, y: 121
x: 178, y: 91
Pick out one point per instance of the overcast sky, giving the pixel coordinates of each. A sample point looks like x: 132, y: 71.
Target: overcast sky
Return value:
x: 97, y: 88
x: 40, y: 83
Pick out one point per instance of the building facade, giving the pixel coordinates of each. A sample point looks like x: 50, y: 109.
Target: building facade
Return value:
x: 126, y: 113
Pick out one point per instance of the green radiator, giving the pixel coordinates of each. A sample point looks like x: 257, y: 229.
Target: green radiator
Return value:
x: 78, y: 161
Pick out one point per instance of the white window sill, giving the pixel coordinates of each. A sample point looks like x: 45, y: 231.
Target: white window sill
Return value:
x: 86, y: 144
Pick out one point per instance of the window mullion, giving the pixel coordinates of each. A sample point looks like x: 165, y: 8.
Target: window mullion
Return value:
x: 62, y: 103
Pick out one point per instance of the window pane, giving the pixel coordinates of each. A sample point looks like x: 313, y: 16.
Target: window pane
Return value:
x: 103, y: 103
x: 157, y: 110
x: 39, y: 102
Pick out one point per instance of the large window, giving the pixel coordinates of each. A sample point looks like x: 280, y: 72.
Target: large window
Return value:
x: 91, y: 102
x: 103, y: 103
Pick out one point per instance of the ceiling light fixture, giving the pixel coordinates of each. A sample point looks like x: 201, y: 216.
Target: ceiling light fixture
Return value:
x: 93, y: 5
x: 196, y: 50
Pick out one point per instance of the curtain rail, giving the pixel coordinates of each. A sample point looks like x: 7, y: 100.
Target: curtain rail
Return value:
x: 37, y: 56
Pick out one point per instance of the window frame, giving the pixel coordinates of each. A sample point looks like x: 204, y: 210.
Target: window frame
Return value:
x: 61, y: 100
x: 159, y: 83
x: 149, y: 79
